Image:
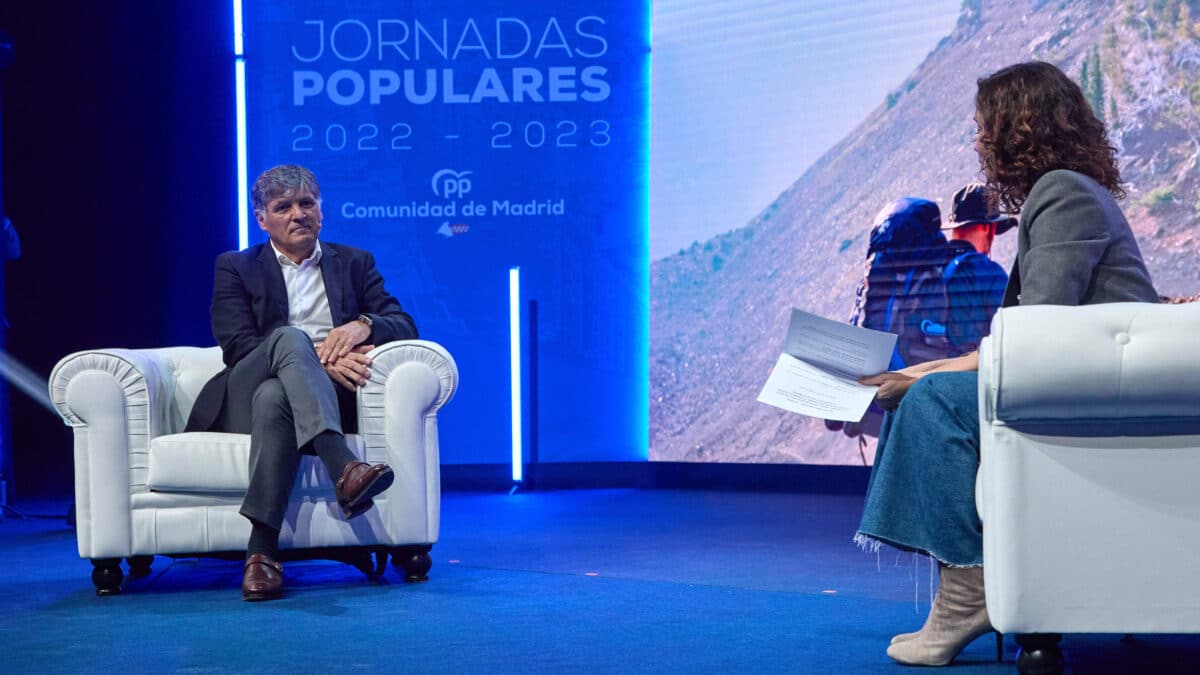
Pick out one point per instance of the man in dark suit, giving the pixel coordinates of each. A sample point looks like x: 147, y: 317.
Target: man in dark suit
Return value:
x: 295, y: 318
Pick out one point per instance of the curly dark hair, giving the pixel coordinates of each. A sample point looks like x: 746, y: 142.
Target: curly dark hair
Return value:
x: 1034, y: 119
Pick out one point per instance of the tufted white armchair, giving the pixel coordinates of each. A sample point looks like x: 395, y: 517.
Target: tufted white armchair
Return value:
x: 1089, y: 465
x: 143, y: 488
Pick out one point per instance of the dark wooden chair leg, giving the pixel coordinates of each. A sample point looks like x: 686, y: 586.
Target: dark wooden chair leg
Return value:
x: 370, y: 561
x: 414, y: 560
x: 360, y: 558
x: 1040, y: 654
x: 107, y: 575
x: 139, y: 565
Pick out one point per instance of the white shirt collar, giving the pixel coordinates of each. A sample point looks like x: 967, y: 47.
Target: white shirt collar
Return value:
x: 287, y: 262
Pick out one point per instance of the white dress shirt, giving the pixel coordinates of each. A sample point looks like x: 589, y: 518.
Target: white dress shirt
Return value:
x: 308, y: 306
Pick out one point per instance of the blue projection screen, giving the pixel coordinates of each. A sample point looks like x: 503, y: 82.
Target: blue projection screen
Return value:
x: 781, y: 129
x: 458, y: 139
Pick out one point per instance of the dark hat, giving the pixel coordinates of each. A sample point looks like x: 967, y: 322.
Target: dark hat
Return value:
x: 971, y: 208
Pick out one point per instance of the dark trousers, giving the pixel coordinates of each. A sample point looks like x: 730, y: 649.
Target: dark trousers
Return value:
x: 280, y: 395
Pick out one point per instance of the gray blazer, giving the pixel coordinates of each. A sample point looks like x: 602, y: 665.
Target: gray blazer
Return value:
x: 1074, y: 247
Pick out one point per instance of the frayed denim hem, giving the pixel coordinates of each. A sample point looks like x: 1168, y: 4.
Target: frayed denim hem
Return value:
x: 867, y: 543
x: 870, y: 543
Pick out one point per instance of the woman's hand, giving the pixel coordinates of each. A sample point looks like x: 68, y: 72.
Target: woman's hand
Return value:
x: 892, y: 387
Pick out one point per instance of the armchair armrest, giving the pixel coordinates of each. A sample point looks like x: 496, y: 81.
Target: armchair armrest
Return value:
x: 1101, y: 368
x: 116, y: 401
x: 1089, y: 440
x: 397, y: 419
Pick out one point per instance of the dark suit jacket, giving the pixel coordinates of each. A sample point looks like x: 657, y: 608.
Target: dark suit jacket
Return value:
x: 1074, y: 247
x: 250, y: 301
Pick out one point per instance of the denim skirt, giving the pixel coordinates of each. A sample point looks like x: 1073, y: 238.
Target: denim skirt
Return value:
x: 921, y: 496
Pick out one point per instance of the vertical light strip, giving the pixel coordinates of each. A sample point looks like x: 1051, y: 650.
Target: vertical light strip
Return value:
x: 514, y: 358
x: 239, y: 72
x: 237, y: 27
x: 642, y: 426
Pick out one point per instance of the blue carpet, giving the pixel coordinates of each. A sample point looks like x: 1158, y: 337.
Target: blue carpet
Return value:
x: 608, y: 581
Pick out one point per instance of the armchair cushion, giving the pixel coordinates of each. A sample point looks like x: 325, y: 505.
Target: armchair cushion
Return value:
x: 217, y: 463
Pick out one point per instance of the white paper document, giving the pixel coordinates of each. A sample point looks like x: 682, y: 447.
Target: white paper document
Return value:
x: 817, y: 375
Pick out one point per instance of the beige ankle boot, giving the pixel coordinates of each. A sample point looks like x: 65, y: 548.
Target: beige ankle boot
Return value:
x: 958, y: 616
x: 905, y: 637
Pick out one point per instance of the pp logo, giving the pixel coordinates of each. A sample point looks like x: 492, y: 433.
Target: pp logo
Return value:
x: 449, y: 183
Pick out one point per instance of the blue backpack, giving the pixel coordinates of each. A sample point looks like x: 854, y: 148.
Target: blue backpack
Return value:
x: 922, y: 311
x: 938, y: 297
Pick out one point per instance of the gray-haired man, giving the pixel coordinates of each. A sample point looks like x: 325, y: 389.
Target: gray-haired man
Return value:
x: 294, y: 318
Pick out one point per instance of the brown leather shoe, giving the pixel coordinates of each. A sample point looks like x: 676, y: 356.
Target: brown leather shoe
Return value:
x: 359, y: 483
x: 262, y: 579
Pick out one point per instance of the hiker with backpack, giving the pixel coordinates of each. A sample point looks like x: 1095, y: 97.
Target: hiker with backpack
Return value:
x: 905, y: 251
x: 905, y: 257
x: 974, y: 282
x: 937, y: 296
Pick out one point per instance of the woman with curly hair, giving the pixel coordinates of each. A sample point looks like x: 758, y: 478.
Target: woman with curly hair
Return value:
x: 1042, y: 151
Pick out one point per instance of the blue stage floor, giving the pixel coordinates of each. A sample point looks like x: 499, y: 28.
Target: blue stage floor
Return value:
x: 609, y: 581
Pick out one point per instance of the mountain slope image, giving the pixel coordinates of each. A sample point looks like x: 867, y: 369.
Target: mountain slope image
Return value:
x: 719, y: 309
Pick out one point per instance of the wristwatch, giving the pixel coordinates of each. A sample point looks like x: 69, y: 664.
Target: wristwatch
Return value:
x: 367, y: 320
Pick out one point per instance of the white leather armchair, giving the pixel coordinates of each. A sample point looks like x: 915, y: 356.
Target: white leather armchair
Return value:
x: 143, y: 488
x: 1090, y: 466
